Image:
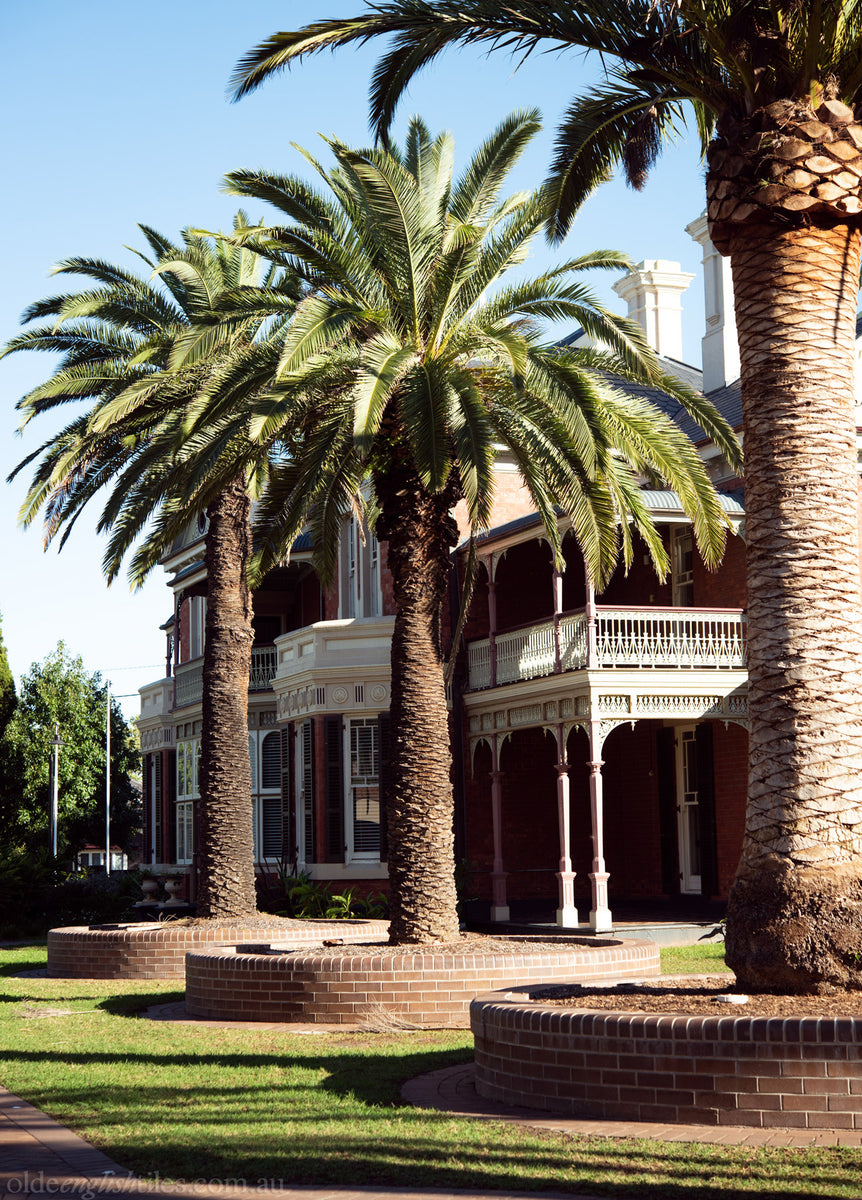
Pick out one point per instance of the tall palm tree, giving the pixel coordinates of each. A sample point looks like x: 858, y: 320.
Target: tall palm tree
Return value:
x: 404, y: 370
x: 773, y: 86
x: 154, y: 356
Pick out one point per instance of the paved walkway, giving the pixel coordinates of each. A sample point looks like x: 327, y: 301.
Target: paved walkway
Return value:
x: 39, y: 1158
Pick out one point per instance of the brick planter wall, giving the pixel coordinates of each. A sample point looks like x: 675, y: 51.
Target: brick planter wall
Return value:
x: 159, y: 951
x: 794, y: 1073
x: 421, y: 986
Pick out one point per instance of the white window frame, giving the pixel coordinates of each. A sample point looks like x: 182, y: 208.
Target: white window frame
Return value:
x: 197, y: 625
x: 682, y: 544
x: 359, y: 592
x: 260, y: 792
x: 352, y: 783
x: 185, y: 821
x: 688, y: 806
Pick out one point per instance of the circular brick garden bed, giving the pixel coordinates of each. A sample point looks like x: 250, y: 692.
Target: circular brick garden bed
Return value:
x: 426, y: 986
x: 799, y: 1072
x: 158, y: 951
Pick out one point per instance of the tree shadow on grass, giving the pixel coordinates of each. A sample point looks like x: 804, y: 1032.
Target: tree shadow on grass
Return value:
x: 333, y: 1116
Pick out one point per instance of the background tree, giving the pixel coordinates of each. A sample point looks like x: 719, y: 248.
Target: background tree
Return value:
x: 61, y: 691
x: 773, y: 86
x: 411, y: 361
x: 8, y: 698
x: 154, y: 355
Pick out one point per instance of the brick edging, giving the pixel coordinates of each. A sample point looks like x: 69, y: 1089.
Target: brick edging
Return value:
x: 158, y: 951
x: 422, y: 986
x: 765, y: 1072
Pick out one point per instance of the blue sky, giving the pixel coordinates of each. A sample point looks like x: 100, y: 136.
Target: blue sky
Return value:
x: 116, y: 114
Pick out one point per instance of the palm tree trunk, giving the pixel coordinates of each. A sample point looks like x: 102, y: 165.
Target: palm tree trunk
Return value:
x: 226, y: 848
x: 419, y: 808
x: 794, y: 919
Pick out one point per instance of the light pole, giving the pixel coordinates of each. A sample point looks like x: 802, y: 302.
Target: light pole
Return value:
x: 108, y: 778
x: 55, y: 788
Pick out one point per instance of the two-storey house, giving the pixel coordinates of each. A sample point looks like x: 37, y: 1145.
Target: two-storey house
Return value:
x: 599, y: 741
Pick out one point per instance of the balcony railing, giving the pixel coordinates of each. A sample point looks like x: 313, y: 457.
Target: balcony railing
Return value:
x: 684, y: 639
x: 189, y: 676
x: 264, y: 663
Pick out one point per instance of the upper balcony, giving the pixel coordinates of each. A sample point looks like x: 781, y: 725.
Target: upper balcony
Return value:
x: 357, y: 643
x: 189, y: 676
x: 620, y: 637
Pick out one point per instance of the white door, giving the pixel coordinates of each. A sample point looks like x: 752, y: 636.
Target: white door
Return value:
x: 687, y: 807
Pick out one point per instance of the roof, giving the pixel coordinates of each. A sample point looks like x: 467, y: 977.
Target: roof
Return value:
x: 659, y: 501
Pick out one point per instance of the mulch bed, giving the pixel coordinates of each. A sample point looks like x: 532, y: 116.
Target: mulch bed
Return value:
x: 697, y: 996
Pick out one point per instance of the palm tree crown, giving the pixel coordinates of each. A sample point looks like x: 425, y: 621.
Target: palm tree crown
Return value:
x: 773, y: 87
x: 155, y: 357
x: 404, y: 372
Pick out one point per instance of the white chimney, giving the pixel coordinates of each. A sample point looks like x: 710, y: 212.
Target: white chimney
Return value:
x: 720, y: 347
x: 652, y: 291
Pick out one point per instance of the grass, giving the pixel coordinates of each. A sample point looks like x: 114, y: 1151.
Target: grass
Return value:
x: 185, y: 1102
x: 705, y: 959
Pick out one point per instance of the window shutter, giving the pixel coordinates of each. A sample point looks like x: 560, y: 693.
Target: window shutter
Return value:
x: 308, y: 789
x: 706, y: 809
x: 333, y: 744
x: 384, y: 724
x: 290, y: 849
x: 270, y: 762
x: 156, y: 807
x: 170, y: 841
x: 252, y: 759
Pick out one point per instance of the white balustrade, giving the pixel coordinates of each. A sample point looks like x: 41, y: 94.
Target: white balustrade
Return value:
x: 678, y: 638
x: 189, y: 676
x: 189, y: 683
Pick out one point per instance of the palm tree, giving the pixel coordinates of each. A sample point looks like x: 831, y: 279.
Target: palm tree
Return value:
x: 772, y: 85
x: 154, y: 359
x: 402, y: 371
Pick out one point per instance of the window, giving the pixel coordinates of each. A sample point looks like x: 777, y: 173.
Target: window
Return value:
x: 185, y: 831
x: 188, y: 769
x: 682, y: 560
x: 197, y: 623
x: 359, y: 576
x: 364, y: 793
x: 265, y: 755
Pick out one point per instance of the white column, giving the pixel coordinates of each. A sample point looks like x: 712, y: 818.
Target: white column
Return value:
x: 567, y: 914
x: 590, y: 614
x: 600, y: 915
x: 499, y: 902
x: 558, y: 609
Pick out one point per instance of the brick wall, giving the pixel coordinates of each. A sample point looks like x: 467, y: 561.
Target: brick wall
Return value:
x: 726, y: 587
x: 159, y: 952
x: 793, y: 1073
x: 423, y: 986
x: 730, y: 769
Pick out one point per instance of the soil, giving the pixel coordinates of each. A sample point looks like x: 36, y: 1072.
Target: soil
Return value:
x: 696, y: 995
x: 687, y: 996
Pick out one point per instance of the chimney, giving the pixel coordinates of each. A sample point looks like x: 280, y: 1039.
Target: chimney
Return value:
x: 652, y: 291
x: 720, y: 349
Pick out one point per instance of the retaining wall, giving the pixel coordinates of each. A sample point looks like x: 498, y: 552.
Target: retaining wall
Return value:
x: 794, y: 1073
x: 423, y: 987
x: 158, y: 951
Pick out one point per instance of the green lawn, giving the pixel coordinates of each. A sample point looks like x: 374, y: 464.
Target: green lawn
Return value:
x: 186, y: 1102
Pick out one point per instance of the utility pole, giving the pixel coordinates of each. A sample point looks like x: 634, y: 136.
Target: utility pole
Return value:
x: 108, y: 778
x: 55, y: 788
